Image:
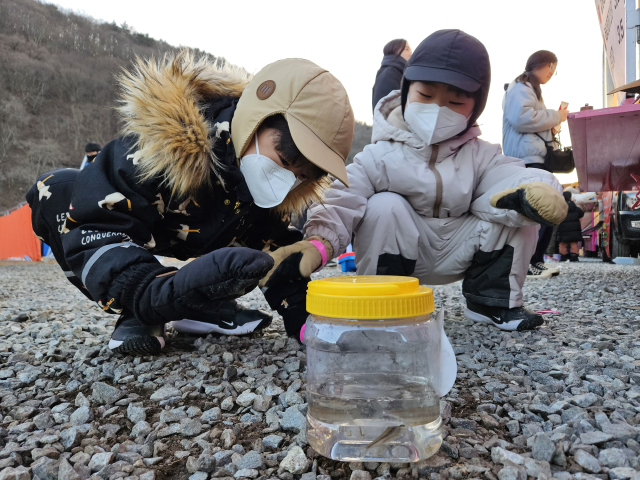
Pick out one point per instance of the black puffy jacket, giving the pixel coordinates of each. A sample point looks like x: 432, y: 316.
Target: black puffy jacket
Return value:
x: 170, y: 186
x: 570, y: 230
x: 389, y: 77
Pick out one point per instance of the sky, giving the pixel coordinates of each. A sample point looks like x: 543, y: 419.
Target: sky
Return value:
x: 346, y: 37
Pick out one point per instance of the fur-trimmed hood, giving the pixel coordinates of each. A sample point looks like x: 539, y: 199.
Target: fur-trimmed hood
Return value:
x: 163, y: 105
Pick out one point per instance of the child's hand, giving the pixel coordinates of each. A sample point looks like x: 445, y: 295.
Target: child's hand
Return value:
x: 537, y: 201
x: 286, y: 292
x: 311, y: 259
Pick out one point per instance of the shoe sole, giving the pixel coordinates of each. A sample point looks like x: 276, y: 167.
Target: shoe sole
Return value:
x: 139, y: 344
x: 204, y: 328
x: 514, y: 325
x: 539, y: 277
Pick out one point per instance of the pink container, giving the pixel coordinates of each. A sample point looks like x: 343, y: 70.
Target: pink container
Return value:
x: 606, y: 147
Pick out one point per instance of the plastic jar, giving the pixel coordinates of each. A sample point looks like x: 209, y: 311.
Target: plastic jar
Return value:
x: 377, y: 363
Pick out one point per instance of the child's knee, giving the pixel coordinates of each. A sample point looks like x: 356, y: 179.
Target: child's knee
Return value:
x: 386, y: 203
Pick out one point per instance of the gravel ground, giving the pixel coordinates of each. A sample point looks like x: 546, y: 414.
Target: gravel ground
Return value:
x: 563, y: 401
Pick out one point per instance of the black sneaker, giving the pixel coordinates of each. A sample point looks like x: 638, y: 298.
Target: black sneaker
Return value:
x: 133, y: 336
x: 574, y: 257
x: 543, y: 268
x: 230, y: 319
x: 518, y: 318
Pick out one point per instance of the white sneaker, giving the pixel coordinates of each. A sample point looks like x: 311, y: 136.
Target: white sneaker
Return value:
x: 535, y: 272
x: 554, y: 271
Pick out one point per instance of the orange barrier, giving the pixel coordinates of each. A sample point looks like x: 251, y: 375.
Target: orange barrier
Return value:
x: 16, y: 236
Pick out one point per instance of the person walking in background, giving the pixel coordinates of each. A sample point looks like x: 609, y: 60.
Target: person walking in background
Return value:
x: 570, y: 231
x: 91, y: 151
x: 526, y: 124
x: 389, y: 76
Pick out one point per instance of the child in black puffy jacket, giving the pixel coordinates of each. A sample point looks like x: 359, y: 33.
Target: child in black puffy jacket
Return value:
x: 569, y: 232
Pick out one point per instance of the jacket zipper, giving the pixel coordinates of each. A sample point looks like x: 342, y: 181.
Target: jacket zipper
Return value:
x: 432, y: 167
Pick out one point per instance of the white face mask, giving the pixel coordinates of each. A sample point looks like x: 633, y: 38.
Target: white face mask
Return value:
x: 433, y: 123
x: 268, y: 182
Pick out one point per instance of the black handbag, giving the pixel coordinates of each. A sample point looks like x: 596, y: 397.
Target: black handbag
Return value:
x: 558, y: 160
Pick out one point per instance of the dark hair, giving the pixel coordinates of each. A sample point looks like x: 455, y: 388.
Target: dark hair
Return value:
x: 287, y: 147
x: 535, y: 61
x: 92, y: 147
x: 567, y: 196
x: 395, y: 47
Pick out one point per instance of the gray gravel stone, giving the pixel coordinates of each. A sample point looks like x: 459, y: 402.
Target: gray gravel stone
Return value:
x: 228, y: 438
x: 223, y: 458
x: 587, y: 461
x: 206, y: 463
x: 227, y: 404
x: 613, y: 457
x: 594, y: 438
x: 211, y: 415
x: 199, y: 476
x: 251, y: 460
x: 246, y: 398
x: 141, y: 429
x: 272, y: 441
x: 43, y: 421
x: 66, y: 471
x: 360, y: 475
x: 46, y: 468
x: 136, y: 414
x: 262, y: 403
x: 620, y: 431
x: 585, y: 400
x: 106, y: 394
x: 293, y: 420
x: 295, y: 462
x: 247, y: 473
x: 543, y: 448
x: 18, y: 473
x: 512, y: 472
x: 165, y: 393
x: 100, y: 460
x: 623, y: 473
x: 81, y: 415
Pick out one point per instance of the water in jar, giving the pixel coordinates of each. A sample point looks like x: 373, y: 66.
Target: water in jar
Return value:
x: 370, y: 392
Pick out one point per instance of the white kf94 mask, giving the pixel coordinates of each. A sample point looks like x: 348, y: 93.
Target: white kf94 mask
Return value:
x: 268, y: 182
x: 433, y: 123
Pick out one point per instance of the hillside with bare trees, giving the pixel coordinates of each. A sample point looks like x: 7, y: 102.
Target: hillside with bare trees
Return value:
x: 57, y: 89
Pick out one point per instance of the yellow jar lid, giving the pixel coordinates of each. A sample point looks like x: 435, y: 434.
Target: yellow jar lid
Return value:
x: 369, y: 297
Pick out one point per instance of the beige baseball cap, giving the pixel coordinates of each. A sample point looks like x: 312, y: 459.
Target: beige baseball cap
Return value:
x: 315, y: 105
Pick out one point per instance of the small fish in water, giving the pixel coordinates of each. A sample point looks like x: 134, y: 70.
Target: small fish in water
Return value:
x: 411, y: 417
x: 389, y: 435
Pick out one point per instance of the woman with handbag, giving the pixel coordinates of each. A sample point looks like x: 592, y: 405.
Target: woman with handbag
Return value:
x: 527, y: 126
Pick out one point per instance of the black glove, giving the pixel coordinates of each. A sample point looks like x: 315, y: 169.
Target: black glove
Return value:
x: 157, y: 294
x: 286, y: 292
